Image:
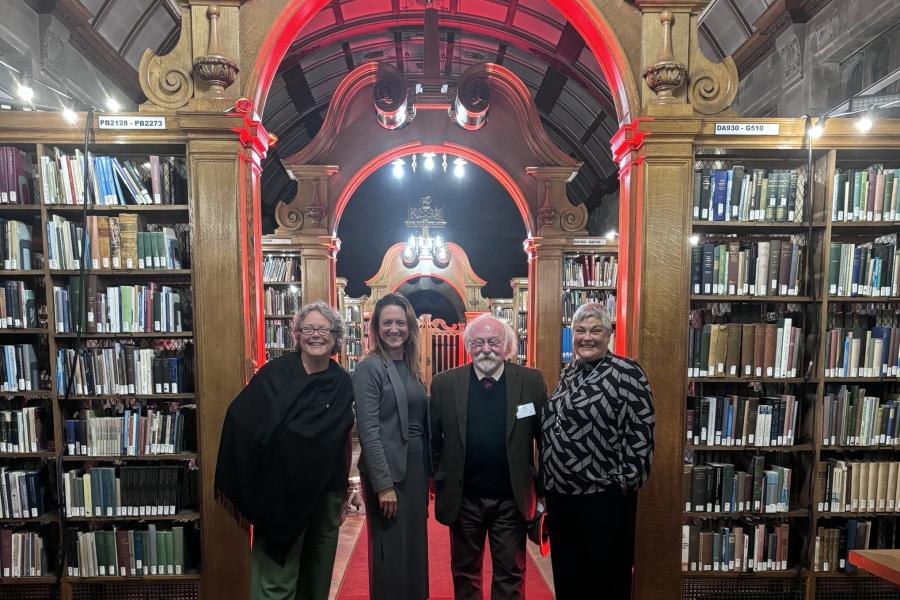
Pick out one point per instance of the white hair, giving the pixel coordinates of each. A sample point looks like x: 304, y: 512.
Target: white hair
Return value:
x: 510, y: 341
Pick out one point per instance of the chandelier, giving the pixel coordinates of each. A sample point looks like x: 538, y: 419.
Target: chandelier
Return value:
x: 424, y: 215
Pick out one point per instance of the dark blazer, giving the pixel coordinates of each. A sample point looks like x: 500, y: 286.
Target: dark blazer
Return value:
x: 382, y: 419
x: 449, y: 405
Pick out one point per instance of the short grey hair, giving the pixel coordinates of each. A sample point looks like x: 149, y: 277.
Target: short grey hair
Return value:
x: 510, y: 342
x: 593, y: 310
x: 334, y: 318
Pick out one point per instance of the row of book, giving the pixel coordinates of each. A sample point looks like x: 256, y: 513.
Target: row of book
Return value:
x: 745, y: 350
x: 23, y: 554
x: 21, y: 494
x: 279, y: 301
x: 121, y: 242
x: 504, y: 312
x: 740, y: 194
x: 125, y: 552
x: 590, y: 270
x: 858, y: 486
x: 353, y: 347
x: 870, y: 269
x: 135, y: 431
x: 767, y: 268
x: 741, y: 421
x: 851, y: 418
x: 281, y: 269
x: 15, y: 176
x: 868, y: 194
x: 719, y: 487
x: 18, y: 306
x: 122, y: 369
x: 18, y: 368
x: 572, y: 299
x: 124, y: 491
x: 354, y: 330
x: 16, y: 246
x: 743, y: 547
x: 833, y: 544
x: 857, y: 352
x: 112, y: 181
x: 278, y: 334
x: 23, y: 430
x: 117, y: 309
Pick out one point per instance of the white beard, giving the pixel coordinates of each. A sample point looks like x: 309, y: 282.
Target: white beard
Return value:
x: 487, y: 363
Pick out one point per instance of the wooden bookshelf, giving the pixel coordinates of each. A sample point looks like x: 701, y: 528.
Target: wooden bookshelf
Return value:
x: 356, y: 342
x: 519, y: 287
x: 176, y: 217
x: 589, y: 274
x: 281, y: 297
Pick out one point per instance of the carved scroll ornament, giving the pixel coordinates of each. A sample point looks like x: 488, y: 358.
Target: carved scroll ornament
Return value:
x: 712, y: 86
x: 166, y: 80
x: 289, y: 216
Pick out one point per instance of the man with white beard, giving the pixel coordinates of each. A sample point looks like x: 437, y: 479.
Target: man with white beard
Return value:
x: 485, y: 420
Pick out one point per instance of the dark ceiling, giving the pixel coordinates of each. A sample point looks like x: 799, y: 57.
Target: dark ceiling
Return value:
x: 481, y: 218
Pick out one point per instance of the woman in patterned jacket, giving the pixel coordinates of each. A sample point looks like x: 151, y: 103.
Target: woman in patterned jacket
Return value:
x: 597, y: 446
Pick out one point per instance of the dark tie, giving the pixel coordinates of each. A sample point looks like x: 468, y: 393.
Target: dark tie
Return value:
x: 487, y: 383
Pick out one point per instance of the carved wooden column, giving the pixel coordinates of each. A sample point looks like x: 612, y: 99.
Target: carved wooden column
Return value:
x: 224, y: 195
x: 557, y: 222
x: 305, y: 220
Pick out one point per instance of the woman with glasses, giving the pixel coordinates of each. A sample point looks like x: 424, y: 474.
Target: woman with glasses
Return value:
x: 284, y: 459
x: 597, y: 445
x: 392, y: 419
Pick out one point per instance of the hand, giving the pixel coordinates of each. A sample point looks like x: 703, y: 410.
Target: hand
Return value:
x: 387, y: 499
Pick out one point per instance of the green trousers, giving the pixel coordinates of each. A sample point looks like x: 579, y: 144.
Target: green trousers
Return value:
x: 306, y: 573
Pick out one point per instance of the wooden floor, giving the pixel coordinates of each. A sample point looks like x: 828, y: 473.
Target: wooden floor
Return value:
x: 353, y: 526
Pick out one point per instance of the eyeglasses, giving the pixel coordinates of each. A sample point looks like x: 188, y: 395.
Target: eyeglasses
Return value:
x: 595, y: 332
x: 492, y: 342
x: 307, y: 330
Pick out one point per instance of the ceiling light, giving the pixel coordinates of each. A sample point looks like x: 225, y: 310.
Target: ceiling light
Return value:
x: 397, y: 169
x: 865, y: 122
x: 429, y: 160
x: 69, y: 115
x: 25, y: 91
x: 459, y: 167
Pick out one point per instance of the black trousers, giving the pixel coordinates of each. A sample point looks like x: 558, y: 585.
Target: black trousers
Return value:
x: 505, y: 528
x: 592, y: 544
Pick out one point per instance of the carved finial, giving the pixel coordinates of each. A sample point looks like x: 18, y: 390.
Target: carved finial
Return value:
x: 547, y: 213
x: 665, y: 76
x: 214, y: 68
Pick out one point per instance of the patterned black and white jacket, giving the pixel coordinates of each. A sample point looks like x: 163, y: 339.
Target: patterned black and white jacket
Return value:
x: 597, y: 428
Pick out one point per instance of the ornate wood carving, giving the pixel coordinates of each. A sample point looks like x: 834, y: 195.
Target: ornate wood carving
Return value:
x: 215, y: 69
x: 166, y: 80
x: 308, y: 211
x: 556, y: 215
x: 665, y: 76
x: 712, y: 86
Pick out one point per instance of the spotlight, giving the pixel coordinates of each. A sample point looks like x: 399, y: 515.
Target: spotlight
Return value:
x: 113, y: 105
x: 694, y: 240
x: 816, y: 131
x: 25, y: 91
x: 459, y: 167
x: 429, y: 160
x: 398, y: 168
x: 865, y: 122
x: 69, y: 115
x: 611, y: 234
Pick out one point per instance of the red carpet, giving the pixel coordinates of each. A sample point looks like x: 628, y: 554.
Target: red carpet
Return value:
x: 355, y: 585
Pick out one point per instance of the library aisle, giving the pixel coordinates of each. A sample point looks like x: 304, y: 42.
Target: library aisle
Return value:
x: 351, y: 578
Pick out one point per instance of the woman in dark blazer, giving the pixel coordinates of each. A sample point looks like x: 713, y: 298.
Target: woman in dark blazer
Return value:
x: 392, y: 419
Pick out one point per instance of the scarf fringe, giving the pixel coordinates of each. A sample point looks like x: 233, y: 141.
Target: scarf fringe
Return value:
x: 225, y: 502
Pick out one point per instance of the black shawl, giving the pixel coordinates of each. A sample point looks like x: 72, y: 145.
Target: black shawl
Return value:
x: 283, y: 439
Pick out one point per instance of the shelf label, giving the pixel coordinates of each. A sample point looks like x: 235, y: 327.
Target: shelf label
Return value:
x: 747, y: 128
x: 131, y: 122
x: 592, y: 241
x: 276, y: 241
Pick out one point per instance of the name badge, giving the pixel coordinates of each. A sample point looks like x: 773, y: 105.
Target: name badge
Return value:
x: 525, y: 410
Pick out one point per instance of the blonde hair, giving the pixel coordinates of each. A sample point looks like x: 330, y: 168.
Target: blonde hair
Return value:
x: 410, y: 346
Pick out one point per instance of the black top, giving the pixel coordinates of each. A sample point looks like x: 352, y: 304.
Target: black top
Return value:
x: 487, y: 467
x: 597, y: 429
x: 281, y: 418
x: 415, y: 400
